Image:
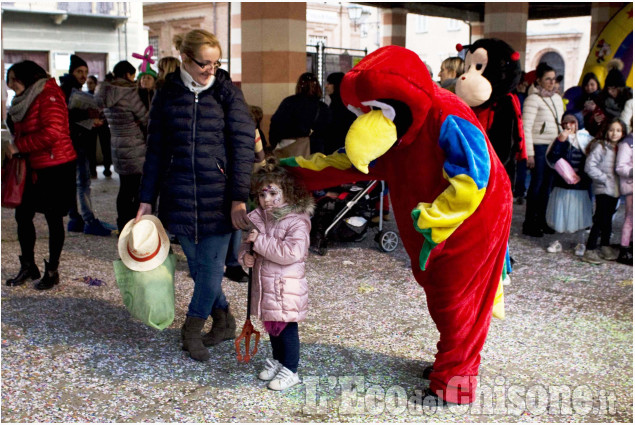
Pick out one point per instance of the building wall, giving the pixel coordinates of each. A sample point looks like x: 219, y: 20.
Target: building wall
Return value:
x: 435, y: 39
x: 331, y: 24
x: 569, y: 37
x: 165, y: 20
x: 34, y: 31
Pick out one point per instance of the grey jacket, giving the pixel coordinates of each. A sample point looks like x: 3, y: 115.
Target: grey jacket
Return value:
x: 127, y: 118
x: 600, y: 166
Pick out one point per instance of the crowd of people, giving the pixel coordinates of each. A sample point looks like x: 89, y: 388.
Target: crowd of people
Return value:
x: 186, y: 146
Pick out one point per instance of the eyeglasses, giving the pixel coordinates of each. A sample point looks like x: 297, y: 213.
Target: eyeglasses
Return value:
x: 206, y: 65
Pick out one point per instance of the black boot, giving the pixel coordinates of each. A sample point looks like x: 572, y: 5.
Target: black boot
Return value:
x: 625, y: 257
x: 28, y: 270
x: 236, y: 273
x: 51, y: 277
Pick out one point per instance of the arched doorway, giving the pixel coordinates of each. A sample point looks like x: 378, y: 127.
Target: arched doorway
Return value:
x: 555, y: 61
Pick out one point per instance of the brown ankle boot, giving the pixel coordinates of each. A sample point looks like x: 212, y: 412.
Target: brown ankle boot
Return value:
x: 191, y: 338
x: 223, y: 328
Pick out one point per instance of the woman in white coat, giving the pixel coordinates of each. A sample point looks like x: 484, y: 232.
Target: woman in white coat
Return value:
x: 541, y: 112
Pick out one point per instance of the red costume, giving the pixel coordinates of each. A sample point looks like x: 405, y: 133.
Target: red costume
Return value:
x: 451, y: 199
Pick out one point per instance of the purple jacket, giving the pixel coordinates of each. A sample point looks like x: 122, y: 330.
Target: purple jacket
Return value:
x: 279, y: 289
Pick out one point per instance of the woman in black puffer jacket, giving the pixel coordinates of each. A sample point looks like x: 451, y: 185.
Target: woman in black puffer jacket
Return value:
x: 200, y: 157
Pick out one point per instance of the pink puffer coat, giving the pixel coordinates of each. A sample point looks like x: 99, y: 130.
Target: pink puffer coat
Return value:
x: 279, y: 289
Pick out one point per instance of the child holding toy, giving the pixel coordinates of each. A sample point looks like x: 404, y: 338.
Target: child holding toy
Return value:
x: 277, y: 249
x: 569, y: 209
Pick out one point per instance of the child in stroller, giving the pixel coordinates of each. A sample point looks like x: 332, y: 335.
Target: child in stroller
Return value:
x: 345, y: 213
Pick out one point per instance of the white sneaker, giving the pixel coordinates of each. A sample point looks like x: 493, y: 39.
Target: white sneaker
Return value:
x: 555, y: 247
x: 272, y: 367
x: 580, y: 249
x: 283, y: 380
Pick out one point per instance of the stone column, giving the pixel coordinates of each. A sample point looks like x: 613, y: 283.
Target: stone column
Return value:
x: 273, y: 37
x: 477, y: 32
x: 394, y: 27
x: 508, y: 22
x: 236, y: 42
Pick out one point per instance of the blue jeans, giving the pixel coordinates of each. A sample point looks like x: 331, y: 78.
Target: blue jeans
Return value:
x: 520, y: 185
x: 234, y: 246
x: 206, y: 260
x: 83, y: 188
x: 539, y: 189
x: 286, y: 347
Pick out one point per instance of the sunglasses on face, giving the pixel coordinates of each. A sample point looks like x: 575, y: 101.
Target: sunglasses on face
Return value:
x: 206, y: 65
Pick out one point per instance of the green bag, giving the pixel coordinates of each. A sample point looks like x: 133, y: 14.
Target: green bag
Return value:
x: 148, y: 296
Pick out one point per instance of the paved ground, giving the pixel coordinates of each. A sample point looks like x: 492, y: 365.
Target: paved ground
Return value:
x: 563, y: 354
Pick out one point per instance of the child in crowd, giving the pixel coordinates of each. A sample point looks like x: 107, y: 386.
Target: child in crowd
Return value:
x: 600, y: 166
x: 277, y: 249
x: 624, y: 169
x: 570, y: 208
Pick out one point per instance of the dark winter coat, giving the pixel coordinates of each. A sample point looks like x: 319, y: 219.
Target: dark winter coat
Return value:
x: 575, y: 157
x: 200, y: 155
x: 80, y: 136
x: 127, y: 118
x: 342, y: 119
x: 43, y: 132
x: 300, y: 116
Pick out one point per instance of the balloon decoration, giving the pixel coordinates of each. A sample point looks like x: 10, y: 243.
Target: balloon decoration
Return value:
x: 146, y: 57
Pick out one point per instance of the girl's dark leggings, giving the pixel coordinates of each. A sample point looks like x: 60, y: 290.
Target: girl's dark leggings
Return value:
x: 286, y: 347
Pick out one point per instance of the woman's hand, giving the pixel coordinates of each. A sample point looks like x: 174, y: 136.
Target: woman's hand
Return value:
x: 531, y: 163
x: 143, y: 210
x: 239, y: 215
x: 249, y: 260
x: 252, y: 236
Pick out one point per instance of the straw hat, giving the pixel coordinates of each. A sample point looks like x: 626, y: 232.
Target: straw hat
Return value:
x: 145, y: 245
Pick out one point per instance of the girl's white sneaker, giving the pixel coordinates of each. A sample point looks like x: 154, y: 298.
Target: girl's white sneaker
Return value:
x: 272, y: 367
x: 283, y: 380
x: 555, y: 247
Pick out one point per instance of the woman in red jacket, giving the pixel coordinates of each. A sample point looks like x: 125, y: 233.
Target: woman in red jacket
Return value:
x: 38, y: 120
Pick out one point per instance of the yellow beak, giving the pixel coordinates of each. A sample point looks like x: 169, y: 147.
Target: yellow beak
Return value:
x: 370, y: 136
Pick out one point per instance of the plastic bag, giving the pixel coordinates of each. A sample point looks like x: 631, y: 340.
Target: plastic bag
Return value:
x: 565, y: 170
x: 149, y: 295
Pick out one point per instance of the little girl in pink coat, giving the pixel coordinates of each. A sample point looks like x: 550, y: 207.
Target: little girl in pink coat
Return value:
x: 277, y: 249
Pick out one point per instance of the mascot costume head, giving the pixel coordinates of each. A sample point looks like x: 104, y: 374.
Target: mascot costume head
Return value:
x: 450, y: 197
x: 492, y: 73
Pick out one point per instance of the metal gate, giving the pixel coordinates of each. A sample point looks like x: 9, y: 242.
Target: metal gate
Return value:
x: 322, y: 60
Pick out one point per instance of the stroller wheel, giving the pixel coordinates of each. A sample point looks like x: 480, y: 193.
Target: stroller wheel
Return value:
x: 388, y: 240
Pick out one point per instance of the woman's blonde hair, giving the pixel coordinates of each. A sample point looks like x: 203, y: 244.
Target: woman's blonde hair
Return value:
x: 191, y: 42
x: 453, y: 64
x: 167, y: 65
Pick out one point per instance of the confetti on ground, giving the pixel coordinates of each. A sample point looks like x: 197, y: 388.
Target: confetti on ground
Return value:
x: 74, y: 354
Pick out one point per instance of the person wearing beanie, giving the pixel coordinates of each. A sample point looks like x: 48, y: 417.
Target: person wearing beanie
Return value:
x: 146, y: 79
x: 611, y: 101
x: 83, y: 139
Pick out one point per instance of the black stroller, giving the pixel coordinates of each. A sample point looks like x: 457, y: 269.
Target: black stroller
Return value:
x: 348, y: 216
